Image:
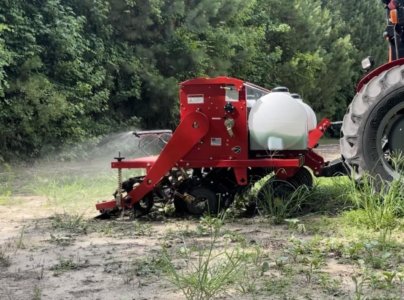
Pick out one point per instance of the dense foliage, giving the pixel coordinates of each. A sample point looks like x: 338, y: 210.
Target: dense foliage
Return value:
x: 75, y: 69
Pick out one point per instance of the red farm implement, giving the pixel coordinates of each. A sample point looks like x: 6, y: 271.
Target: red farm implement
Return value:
x: 208, y: 159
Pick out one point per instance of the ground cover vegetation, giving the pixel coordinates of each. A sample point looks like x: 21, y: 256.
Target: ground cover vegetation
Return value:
x: 337, y: 240
x: 72, y: 70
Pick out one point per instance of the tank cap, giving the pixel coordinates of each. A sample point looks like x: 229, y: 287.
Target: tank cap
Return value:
x: 280, y: 89
x: 296, y: 96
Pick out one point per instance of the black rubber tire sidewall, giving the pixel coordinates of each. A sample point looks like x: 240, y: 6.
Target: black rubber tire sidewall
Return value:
x: 211, y: 198
x: 141, y: 209
x: 370, y: 129
x: 303, y: 177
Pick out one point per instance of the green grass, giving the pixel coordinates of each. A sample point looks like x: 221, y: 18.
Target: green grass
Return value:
x: 37, y: 293
x: 67, y: 264
x: 7, y: 177
x: 72, y: 188
x: 71, y: 223
x: 74, y: 193
x: 143, y: 267
x: 329, y: 196
x: 329, y: 141
x: 378, y: 205
x: 280, y: 207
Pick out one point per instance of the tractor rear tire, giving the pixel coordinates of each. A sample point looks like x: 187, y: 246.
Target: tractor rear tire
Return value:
x: 373, y: 127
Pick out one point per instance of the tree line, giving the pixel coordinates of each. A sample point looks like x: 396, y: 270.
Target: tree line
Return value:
x: 71, y: 70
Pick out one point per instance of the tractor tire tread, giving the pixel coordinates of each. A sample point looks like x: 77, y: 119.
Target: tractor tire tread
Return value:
x: 355, y: 119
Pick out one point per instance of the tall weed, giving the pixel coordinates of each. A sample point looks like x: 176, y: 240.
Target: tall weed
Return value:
x: 208, y: 272
x: 280, y: 200
x: 7, y: 178
x: 379, y: 204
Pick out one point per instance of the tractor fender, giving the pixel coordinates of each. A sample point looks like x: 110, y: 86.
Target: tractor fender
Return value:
x: 376, y: 72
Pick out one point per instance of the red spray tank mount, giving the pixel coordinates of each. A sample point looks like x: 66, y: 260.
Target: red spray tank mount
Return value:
x: 231, y: 134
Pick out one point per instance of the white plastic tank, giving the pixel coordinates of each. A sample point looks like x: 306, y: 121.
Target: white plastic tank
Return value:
x: 278, y: 122
x: 311, y: 116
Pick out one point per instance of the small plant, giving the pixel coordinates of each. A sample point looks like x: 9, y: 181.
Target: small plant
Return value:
x: 313, y: 263
x: 298, y: 248
x: 72, y: 223
x: 276, y: 286
x: 212, y: 224
x: 210, y: 272
x: 397, y: 161
x: 20, y: 241
x: 4, y: 259
x: 389, y: 278
x: 37, y: 295
x: 281, y: 262
x: 354, y: 250
x: 62, y: 241
x: 142, y: 268
x: 235, y: 237
x: 40, y: 273
x: 142, y: 229
x: 210, y: 275
x: 330, y: 285
x: 360, y: 283
x: 7, y: 178
x: 280, y: 200
x: 376, y: 255
x: 294, y: 224
x: 65, y: 265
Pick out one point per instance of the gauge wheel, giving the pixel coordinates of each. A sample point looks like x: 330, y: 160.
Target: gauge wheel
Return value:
x: 303, y: 177
x: 144, y: 206
x: 205, y: 201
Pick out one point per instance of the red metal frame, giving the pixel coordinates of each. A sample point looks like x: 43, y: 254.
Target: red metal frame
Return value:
x: 316, y: 134
x: 190, y: 131
x: 202, y: 140
x: 148, y: 162
x: 220, y: 80
x: 213, y: 92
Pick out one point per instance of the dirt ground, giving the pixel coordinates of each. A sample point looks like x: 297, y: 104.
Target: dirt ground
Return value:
x: 61, y: 264
x: 111, y: 260
x: 46, y: 254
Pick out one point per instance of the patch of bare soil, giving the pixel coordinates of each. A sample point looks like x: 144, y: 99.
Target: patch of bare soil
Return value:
x: 46, y: 263
x: 329, y: 152
x: 44, y: 257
